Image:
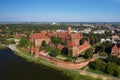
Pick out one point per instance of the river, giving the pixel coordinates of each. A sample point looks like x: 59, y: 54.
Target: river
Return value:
x: 13, y: 67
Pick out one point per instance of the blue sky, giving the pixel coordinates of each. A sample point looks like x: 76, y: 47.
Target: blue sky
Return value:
x: 60, y: 10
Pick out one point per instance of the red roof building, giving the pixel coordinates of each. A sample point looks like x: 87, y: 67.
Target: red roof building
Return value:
x: 52, y: 33
x: 0, y: 30
x: 63, y: 35
x: 116, y: 50
x: 37, y: 38
x: 72, y: 44
x: 115, y: 37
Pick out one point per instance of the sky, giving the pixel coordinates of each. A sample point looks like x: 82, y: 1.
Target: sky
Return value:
x: 60, y: 10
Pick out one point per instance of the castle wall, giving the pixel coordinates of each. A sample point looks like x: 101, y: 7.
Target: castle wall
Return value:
x: 83, y: 47
x: 64, y: 64
x: 72, y: 51
x: 38, y: 42
x: 77, y: 50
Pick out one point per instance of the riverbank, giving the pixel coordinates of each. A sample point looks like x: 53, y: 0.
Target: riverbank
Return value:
x: 71, y: 74
x: 3, y: 47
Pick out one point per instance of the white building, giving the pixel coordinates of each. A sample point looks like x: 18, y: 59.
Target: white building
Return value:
x: 60, y: 30
x: 86, y: 31
x: 99, y: 32
x: 104, y: 40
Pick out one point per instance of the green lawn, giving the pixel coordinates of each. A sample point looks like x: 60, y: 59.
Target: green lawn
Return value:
x: 83, y: 53
x: 23, y: 51
x: 83, y: 68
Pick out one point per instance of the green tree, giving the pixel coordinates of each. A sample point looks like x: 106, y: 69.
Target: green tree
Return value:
x: 59, y: 40
x: 41, y: 48
x: 94, y: 38
x: 12, y: 41
x: 98, y: 64
x: 82, y: 40
x: 112, y: 58
x: 56, y: 40
x: 117, y: 72
x: 109, y: 58
x: 54, y: 53
x: 110, y: 68
x: 24, y: 42
x: 53, y: 39
x: 65, y: 50
x: 43, y: 43
x: 118, y: 61
x: 102, y: 54
x: 65, y: 42
x: 89, y: 53
x: 48, y: 48
x: 102, y: 48
x: 69, y: 59
x: 6, y: 42
x: 115, y: 59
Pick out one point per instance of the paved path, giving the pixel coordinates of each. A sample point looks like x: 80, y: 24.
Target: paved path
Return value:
x: 98, y: 75
x: 84, y: 72
x: 13, y: 47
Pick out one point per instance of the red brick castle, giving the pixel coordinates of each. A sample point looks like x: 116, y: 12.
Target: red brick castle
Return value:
x: 72, y: 40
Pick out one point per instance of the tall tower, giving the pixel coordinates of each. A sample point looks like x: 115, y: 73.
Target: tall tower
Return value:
x: 69, y: 30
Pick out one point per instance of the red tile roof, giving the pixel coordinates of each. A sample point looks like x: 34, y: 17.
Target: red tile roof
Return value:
x: 115, y: 47
x: 72, y: 44
x: 63, y: 35
x: 43, y: 31
x: 115, y: 37
x: 76, y: 36
x: 36, y: 50
x: 60, y: 46
x: 38, y: 36
x: 50, y: 34
x: 0, y: 30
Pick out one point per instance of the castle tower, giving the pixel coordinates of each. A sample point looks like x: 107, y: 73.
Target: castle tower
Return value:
x: 69, y: 30
x: 36, y: 52
x: 32, y: 50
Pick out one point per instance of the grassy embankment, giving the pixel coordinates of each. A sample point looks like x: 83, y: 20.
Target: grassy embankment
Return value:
x: 71, y: 74
x: 100, y: 72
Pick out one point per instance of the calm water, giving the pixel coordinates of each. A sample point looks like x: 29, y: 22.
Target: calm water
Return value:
x: 13, y: 67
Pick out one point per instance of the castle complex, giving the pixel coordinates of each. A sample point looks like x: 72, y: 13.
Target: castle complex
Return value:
x: 71, y: 39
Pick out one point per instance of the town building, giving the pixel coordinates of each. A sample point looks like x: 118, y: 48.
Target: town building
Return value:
x: 88, y: 30
x: 1, y: 30
x: 99, y: 32
x: 20, y: 35
x: 105, y: 40
x: 115, y: 37
x: 116, y: 50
